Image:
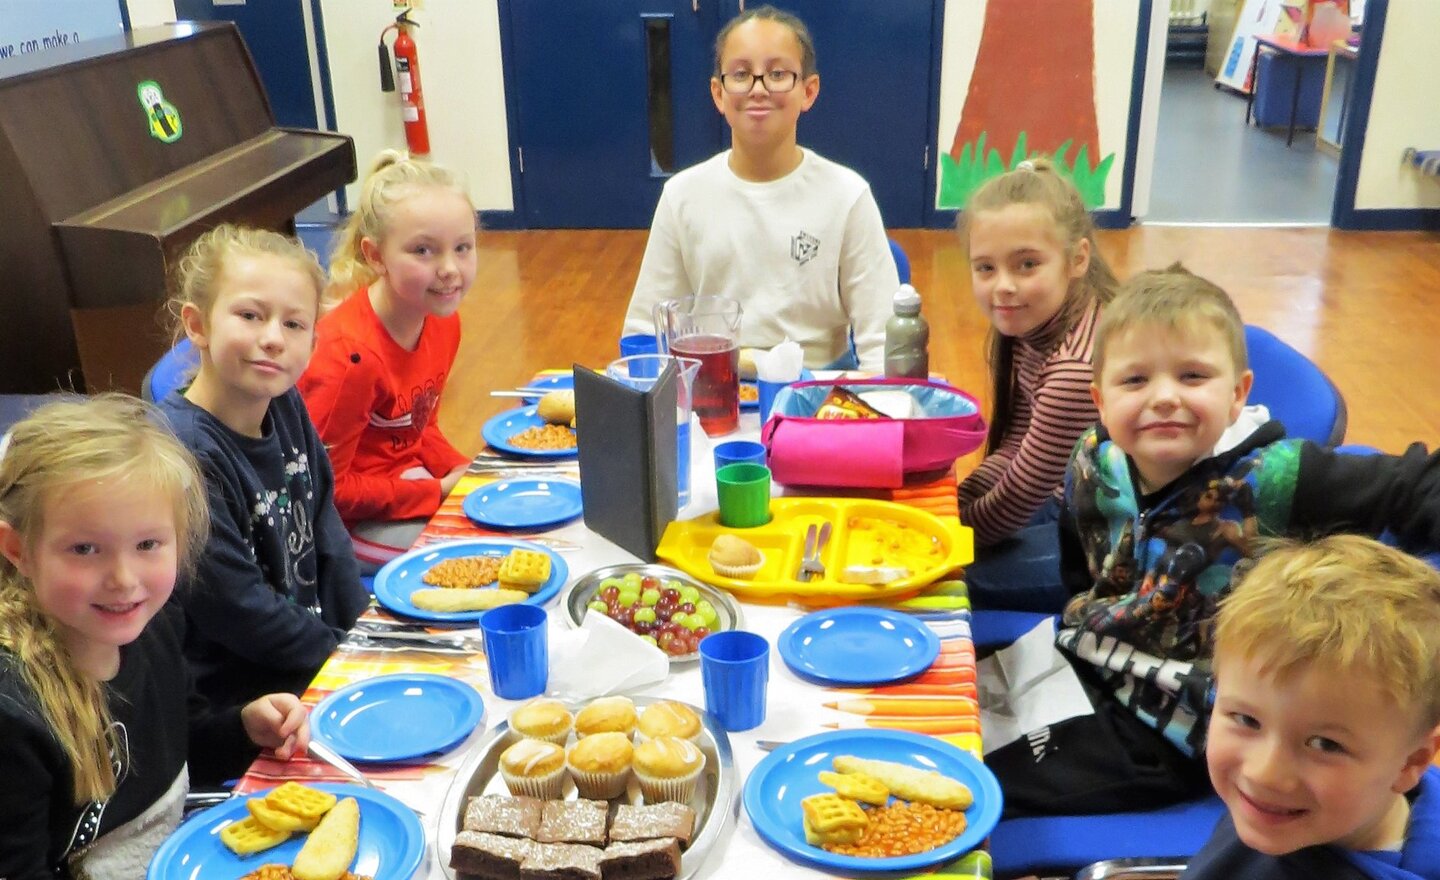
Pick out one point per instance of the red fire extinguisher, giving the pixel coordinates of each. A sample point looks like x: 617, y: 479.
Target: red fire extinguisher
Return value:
x: 407, y: 65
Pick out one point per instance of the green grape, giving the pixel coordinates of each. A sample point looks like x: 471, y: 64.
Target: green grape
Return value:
x: 628, y: 597
x: 645, y: 615
x: 597, y: 605
x: 680, y: 618
x: 706, y: 612
x: 650, y: 596
x: 693, y: 621
x: 631, y: 579
x: 610, y: 582
x: 689, y: 594
x: 651, y: 639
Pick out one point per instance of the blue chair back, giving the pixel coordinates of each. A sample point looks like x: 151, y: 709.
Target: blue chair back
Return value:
x: 902, y: 262
x: 1297, y: 392
x: 170, y: 372
x: 1047, y: 845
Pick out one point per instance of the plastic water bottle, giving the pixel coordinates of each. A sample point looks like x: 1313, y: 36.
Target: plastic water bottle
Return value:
x: 907, y: 338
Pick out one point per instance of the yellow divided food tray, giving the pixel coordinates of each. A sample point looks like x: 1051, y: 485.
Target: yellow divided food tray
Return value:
x: 863, y: 532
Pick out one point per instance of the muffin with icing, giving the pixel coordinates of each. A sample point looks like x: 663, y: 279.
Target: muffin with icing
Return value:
x: 668, y: 768
x: 606, y: 715
x: 600, y: 764
x: 668, y: 718
x: 534, y: 768
x: 543, y: 719
x: 735, y: 557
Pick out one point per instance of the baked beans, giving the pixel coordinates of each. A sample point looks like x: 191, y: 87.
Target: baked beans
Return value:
x: 544, y: 438
x: 903, y: 829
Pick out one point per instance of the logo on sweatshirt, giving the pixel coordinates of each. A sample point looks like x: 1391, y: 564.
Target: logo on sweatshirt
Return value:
x: 804, y: 247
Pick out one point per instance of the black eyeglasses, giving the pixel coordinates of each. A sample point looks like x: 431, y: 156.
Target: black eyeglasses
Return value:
x: 775, y: 81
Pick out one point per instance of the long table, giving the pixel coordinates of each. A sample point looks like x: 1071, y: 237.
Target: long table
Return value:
x: 939, y: 702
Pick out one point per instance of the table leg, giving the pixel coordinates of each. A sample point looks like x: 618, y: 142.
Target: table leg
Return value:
x: 1294, y: 101
x: 1254, y: 86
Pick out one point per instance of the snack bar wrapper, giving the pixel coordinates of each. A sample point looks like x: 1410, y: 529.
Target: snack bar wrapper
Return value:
x: 843, y: 404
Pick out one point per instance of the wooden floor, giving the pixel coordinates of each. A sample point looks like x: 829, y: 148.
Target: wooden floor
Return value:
x: 1365, y: 306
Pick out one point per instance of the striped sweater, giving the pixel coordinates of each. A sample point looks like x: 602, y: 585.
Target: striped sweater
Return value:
x: 1051, y: 408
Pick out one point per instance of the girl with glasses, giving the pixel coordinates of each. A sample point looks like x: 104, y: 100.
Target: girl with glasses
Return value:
x: 796, y: 239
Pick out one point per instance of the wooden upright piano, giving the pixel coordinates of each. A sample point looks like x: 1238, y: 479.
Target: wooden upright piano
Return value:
x: 115, y: 154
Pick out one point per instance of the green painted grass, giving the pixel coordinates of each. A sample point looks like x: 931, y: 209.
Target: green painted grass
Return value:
x: 959, y: 178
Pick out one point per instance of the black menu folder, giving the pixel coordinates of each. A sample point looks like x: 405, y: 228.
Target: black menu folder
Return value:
x: 627, y: 457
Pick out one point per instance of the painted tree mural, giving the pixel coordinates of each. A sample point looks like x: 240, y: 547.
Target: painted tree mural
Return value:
x: 1032, y: 93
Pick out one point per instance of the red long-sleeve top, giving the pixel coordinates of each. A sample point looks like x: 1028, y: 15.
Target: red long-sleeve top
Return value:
x: 375, y: 405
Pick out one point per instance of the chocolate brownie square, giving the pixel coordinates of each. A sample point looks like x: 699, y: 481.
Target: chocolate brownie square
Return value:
x: 510, y: 816
x: 489, y: 856
x: 578, y: 821
x: 561, y: 861
x: 646, y: 860
x: 652, y: 821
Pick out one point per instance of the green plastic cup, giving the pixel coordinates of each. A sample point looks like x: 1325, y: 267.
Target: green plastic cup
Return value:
x: 744, y: 493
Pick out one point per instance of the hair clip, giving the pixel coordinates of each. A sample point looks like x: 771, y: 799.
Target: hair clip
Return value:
x: 1025, y: 165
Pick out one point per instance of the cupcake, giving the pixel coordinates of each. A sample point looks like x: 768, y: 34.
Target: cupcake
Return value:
x: 667, y: 718
x: 543, y: 719
x: 606, y: 715
x: 734, y: 557
x: 668, y: 768
x: 600, y: 764
x: 534, y: 768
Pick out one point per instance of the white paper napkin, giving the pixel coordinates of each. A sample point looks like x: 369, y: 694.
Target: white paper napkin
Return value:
x: 782, y: 363
x: 601, y: 657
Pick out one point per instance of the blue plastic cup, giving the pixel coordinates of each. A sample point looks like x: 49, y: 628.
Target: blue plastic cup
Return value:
x: 739, y: 452
x: 641, y: 343
x: 735, y: 670
x: 517, y: 650
x: 768, y: 390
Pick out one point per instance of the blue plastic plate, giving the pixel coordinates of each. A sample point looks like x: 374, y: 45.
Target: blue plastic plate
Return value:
x: 788, y: 775
x: 858, y: 646
x: 501, y: 427
x: 392, y: 843
x: 561, y: 382
x: 519, y: 504
x: 395, y: 717
x: 401, y: 576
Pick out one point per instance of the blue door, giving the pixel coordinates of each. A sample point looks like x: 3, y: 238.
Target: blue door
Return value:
x: 610, y: 97
x: 274, y: 31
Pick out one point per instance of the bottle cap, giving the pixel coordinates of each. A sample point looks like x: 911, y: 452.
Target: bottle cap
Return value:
x: 907, y: 298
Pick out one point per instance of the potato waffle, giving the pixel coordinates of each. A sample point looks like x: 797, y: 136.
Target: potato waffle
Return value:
x: 911, y: 783
x: 300, y: 800
x: 524, y: 570
x: 831, y: 819
x: 280, y: 820
x: 858, y: 787
x: 248, y: 836
x: 463, y: 572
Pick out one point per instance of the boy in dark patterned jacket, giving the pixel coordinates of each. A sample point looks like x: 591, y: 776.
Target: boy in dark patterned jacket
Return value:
x: 1160, y: 516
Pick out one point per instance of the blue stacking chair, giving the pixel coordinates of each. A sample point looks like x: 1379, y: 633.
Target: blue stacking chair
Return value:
x: 170, y: 372
x: 902, y: 262
x: 1297, y: 392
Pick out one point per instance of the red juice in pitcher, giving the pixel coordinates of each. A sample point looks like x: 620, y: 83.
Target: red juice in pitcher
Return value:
x: 717, y: 386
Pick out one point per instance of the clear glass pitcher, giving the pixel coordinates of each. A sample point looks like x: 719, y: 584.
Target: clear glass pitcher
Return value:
x: 706, y: 329
x: 640, y: 372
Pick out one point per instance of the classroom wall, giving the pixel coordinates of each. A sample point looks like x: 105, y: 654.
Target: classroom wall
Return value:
x: 464, y: 88
x: 1402, y: 111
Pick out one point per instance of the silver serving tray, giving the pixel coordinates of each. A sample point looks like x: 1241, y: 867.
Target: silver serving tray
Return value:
x: 716, y: 800
x: 577, y: 596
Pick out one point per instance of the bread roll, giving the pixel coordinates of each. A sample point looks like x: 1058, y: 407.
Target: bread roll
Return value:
x: 557, y: 407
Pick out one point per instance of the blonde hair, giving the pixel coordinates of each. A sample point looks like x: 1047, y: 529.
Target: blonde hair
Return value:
x: 779, y: 16
x: 201, y: 269
x: 1176, y: 299
x: 1036, y: 182
x: 63, y: 446
x: 1342, y: 603
x: 392, y: 178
